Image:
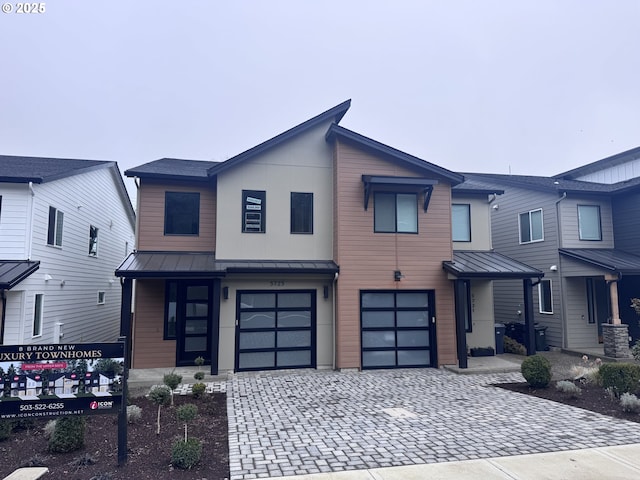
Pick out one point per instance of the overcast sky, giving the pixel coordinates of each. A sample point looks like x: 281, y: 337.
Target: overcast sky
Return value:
x: 527, y: 87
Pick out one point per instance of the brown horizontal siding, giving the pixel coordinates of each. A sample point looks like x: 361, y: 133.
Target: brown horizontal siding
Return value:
x: 149, y: 348
x: 151, y: 218
x: 367, y: 260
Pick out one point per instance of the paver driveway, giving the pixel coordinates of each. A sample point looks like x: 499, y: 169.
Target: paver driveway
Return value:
x: 307, y: 421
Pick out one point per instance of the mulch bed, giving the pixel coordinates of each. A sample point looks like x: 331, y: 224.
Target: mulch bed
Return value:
x: 593, y: 398
x: 149, y: 454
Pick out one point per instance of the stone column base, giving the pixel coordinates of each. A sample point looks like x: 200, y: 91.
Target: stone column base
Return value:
x: 616, y: 340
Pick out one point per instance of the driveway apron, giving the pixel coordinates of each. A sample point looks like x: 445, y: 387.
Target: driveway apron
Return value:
x: 306, y: 421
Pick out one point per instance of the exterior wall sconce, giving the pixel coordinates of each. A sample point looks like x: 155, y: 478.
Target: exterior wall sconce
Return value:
x: 553, y: 268
x: 225, y: 293
x: 397, y: 275
x: 325, y: 292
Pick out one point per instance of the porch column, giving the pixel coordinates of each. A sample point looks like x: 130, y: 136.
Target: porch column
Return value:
x: 615, y: 334
x: 529, y: 330
x: 461, y: 331
x: 125, y: 316
x: 612, y: 280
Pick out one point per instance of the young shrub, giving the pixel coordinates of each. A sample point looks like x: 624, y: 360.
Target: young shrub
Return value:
x: 186, y: 455
x: 186, y: 413
x: 199, y: 361
x: 172, y: 380
x: 198, y: 390
x: 68, y: 434
x: 134, y: 413
x: 536, y: 370
x: 5, y: 429
x: 49, y: 427
x: 630, y: 403
x: 512, y: 346
x: 620, y: 377
x: 198, y: 376
x: 635, y: 351
x: 160, y: 395
x: 570, y: 388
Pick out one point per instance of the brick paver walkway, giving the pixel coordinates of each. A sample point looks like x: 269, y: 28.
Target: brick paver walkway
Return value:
x: 301, y: 422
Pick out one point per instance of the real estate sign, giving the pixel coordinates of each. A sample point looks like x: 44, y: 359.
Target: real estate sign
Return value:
x: 61, y: 379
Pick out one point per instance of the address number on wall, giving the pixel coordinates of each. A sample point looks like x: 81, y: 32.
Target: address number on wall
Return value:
x: 276, y: 283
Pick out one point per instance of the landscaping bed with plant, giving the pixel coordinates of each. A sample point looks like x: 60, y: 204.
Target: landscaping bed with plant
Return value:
x: 610, y: 388
x: 192, y: 442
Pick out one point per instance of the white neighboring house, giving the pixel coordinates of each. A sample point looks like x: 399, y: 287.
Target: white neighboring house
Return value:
x: 65, y: 226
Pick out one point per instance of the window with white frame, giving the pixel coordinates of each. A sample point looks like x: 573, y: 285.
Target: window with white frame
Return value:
x: 395, y: 213
x: 54, y: 231
x: 36, y: 331
x: 531, y: 229
x: 461, y: 222
x: 93, y: 241
x: 101, y: 298
x: 545, y: 299
x: 589, y: 225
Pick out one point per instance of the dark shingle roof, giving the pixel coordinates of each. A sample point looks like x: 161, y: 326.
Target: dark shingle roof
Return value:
x: 472, y: 185
x: 487, y: 264
x: 15, y: 169
x: 168, y: 168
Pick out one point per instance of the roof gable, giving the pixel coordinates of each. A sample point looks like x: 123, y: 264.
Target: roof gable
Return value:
x: 394, y: 155
x: 598, y: 165
x: 173, y: 169
x: 336, y: 113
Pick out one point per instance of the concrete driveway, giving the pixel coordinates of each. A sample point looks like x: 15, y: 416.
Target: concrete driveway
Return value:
x: 306, y: 421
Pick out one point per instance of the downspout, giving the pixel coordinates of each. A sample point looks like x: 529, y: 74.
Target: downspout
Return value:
x: 559, y: 272
x: 335, y: 280
x: 29, y: 233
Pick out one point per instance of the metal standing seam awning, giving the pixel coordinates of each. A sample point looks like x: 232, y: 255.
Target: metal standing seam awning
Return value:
x: 609, y: 259
x: 12, y: 272
x: 199, y: 265
x: 488, y: 265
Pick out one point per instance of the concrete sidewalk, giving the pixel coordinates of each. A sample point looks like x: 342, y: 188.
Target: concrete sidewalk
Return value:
x: 620, y: 462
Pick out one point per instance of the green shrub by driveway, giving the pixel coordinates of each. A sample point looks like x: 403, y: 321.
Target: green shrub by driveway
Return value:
x: 620, y: 377
x: 536, y: 370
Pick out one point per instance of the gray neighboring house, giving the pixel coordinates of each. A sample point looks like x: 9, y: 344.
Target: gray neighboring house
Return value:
x: 582, y: 232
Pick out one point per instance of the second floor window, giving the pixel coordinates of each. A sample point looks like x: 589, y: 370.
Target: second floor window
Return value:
x: 93, y: 241
x: 589, y: 222
x: 181, y: 213
x: 395, y: 213
x: 531, y: 226
x: 54, y: 231
x: 254, y: 207
x: 461, y: 222
x: 301, y: 212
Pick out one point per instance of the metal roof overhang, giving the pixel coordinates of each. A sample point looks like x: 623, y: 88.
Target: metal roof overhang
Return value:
x: 205, y: 265
x: 420, y: 183
x: 609, y: 259
x: 12, y: 272
x: 468, y: 264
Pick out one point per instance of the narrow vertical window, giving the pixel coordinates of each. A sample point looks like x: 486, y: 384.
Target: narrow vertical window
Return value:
x: 461, y: 222
x: 101, y: 298
x: 589, y: 225
x: 37, y: 315
x: 93, y: 241
x: 301, y: 212
x: 54, y: 231
x: 170, y: 312
x: 544, y: 297
x: 254, y: 206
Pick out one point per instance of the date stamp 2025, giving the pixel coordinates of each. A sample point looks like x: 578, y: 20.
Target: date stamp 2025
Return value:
x: 27, y: 7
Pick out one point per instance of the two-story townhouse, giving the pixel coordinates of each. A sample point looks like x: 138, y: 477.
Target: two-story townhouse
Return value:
x: 564, y: 228
x: 64, y: 227
x: 317, y: 248
x: 475, y: 266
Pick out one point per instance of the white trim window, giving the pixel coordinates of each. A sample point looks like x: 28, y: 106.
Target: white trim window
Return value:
x: 54, y: 230
x: 589, y: 225
x: 461, y: 222
x: 545, y: 297
x: 38, y: 309
x: 101, y: 297
x: 93, y: 241
x: 531, y: 226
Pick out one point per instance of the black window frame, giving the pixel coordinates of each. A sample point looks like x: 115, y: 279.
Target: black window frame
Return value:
x: 55, y: 227
x: 301, y: 213
x: 93, y: 241
x: 170, y: 327
x: 254, y: 211
x: 468, y: 209
x: 376, y: 195
x: 172, y: 213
